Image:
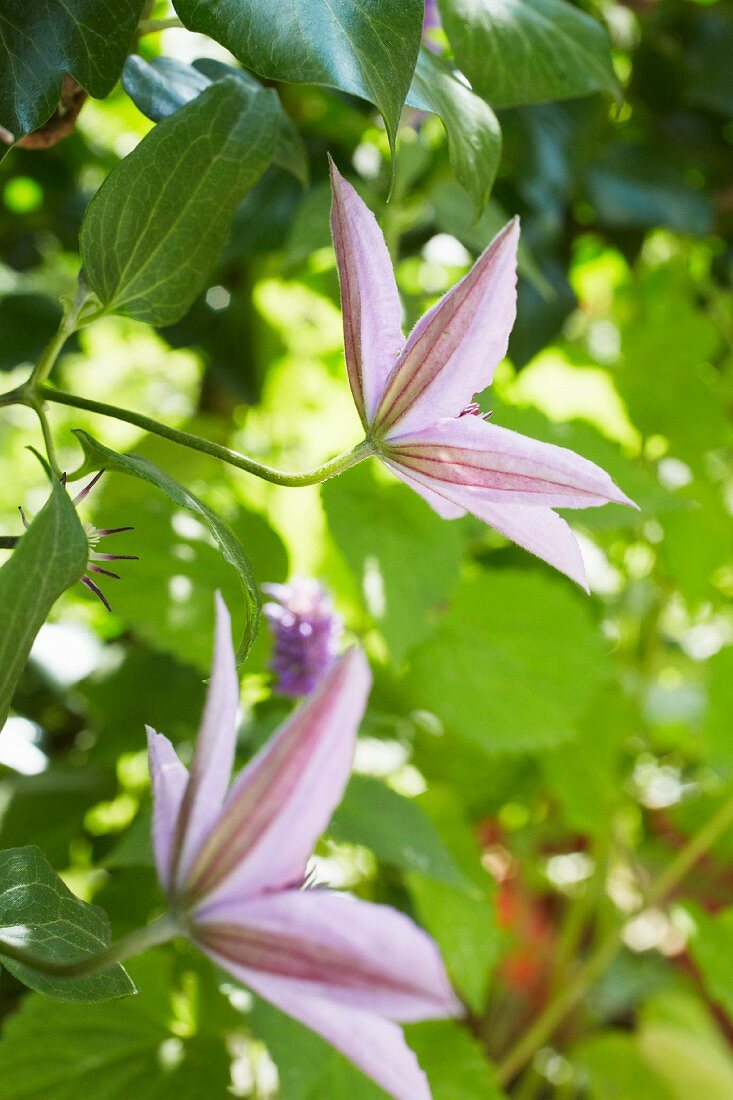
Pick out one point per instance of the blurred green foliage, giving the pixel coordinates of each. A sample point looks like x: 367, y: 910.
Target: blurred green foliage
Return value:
x: 531, y: 757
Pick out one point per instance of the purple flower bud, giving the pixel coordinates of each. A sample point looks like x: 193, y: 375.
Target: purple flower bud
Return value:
x: 306, y: 630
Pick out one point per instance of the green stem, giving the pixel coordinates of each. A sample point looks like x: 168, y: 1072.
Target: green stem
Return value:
x: 47, y: 437
x: 328, y: 469
x: 160, y: 931
x: 570, y: 996
x: 68, y: 325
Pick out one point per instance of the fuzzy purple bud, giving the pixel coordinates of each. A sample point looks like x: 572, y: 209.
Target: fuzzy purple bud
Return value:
x: 306, y: 630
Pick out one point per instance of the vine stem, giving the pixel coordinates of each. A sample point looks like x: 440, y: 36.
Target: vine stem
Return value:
x: 160, y: 931
x: 150, y: 26
x: 571, y: 995
x: 328, y: 469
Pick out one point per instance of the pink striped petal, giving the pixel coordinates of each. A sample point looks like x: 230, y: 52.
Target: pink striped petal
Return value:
x: 168, y: 777
x: 537, y: 529
x: 211, y: 768
x: 365, y: 956
x: 375, y: 1045
x: 445, y: 508
x: 502, y: 466
x: 284, y: 799
x: 370, y: 301
x: 454, y: 349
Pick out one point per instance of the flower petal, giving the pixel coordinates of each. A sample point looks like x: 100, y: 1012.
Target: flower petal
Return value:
x: 284, y: 799
x: 502, y: 466
x: 375, y: 1045
x: 168, y: 777
x: 445, y: 508
x: 370, y: 301
x: 535, y: 528
x: 211, y: 768
x: 454, y: 349
x: 365, y: 956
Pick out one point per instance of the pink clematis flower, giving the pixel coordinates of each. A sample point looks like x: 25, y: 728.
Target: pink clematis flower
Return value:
x: 415, y: 397
x: 232, y: 862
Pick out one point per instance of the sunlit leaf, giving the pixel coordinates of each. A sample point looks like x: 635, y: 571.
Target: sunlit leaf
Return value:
x: 158, y: 222
x: 39, y: 914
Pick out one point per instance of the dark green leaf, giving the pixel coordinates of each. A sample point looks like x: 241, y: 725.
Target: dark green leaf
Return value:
x: 474, y: 136
x: 162, y: 86
x: 49, y: 558
x: 43, y: 40
x: 368, y: 49
x: 489, y: 672
x: 99, y: 457
x: 115, y: 1051
x: 40, y: 914
x: 528, y: 51
x: 396, y: 830
x: 157, y: 224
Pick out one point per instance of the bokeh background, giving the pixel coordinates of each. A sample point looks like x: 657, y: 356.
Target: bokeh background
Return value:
x: 531, y: 757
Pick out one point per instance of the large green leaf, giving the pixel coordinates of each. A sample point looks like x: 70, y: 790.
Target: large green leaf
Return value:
x: 454, y: 1061
x: 396, y: 829
x: 40, y: 914
x: 163, y: 85
x: 44, y: 39
x: 380, y: 527
x: 474, y: 136
x: 513, y: 664
x: 112, y: 1052
x: 369, y: 48
x: 158, y: 222
x: 615, y: 1068
x: 49, y: 558
x: 528, y: 51
x: 711, y: 946
x: 98, y: 457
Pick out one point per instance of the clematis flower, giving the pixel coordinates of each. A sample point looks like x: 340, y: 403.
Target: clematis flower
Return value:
x: 306, y: 629
x: 233, y: 864
x: 94, y: 534
x: 415, y: 396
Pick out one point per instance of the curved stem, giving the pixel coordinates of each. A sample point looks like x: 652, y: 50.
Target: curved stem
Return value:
x: 47, y: 436
x: 571, y: 995
x: 186, y: 439
x: 69, y: 324
x: 160, y: 931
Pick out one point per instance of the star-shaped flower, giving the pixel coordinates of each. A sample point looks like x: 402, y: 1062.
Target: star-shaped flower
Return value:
x: 415, y: 396
x: 233, y: 864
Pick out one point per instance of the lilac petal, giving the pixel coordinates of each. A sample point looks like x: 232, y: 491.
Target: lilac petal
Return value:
x: 454, y: 349
x: 502, y: 466
x: 446, y: 509
x: 533, y: 527
x: 284, y: 799
x: 364, y: 956
x: 370, y: 302
x: 168, y: 777
x: 211, y: 768
x: 375, y: 1045
x: 89, y: 583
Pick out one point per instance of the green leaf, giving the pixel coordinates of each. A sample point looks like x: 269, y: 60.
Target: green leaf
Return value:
x: 45, y: 39
x: 474, y: 135
x: 396, y: 830
x: 380, y: 527
x: 157, y: 224
x: 513, y: 664
x: 464, y: 927
x: 718, y: 730
x: 160, y: 87
x: 114, y: 1051
x: 40, y: 914
x: 99, y: 457
x: 453, y: 1060
x: 616, y: 1069
x: 369, y: 50
x: 50, y: 557
x: 711, y: 947
x: 684, y: 1046
x: 528, y: 51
